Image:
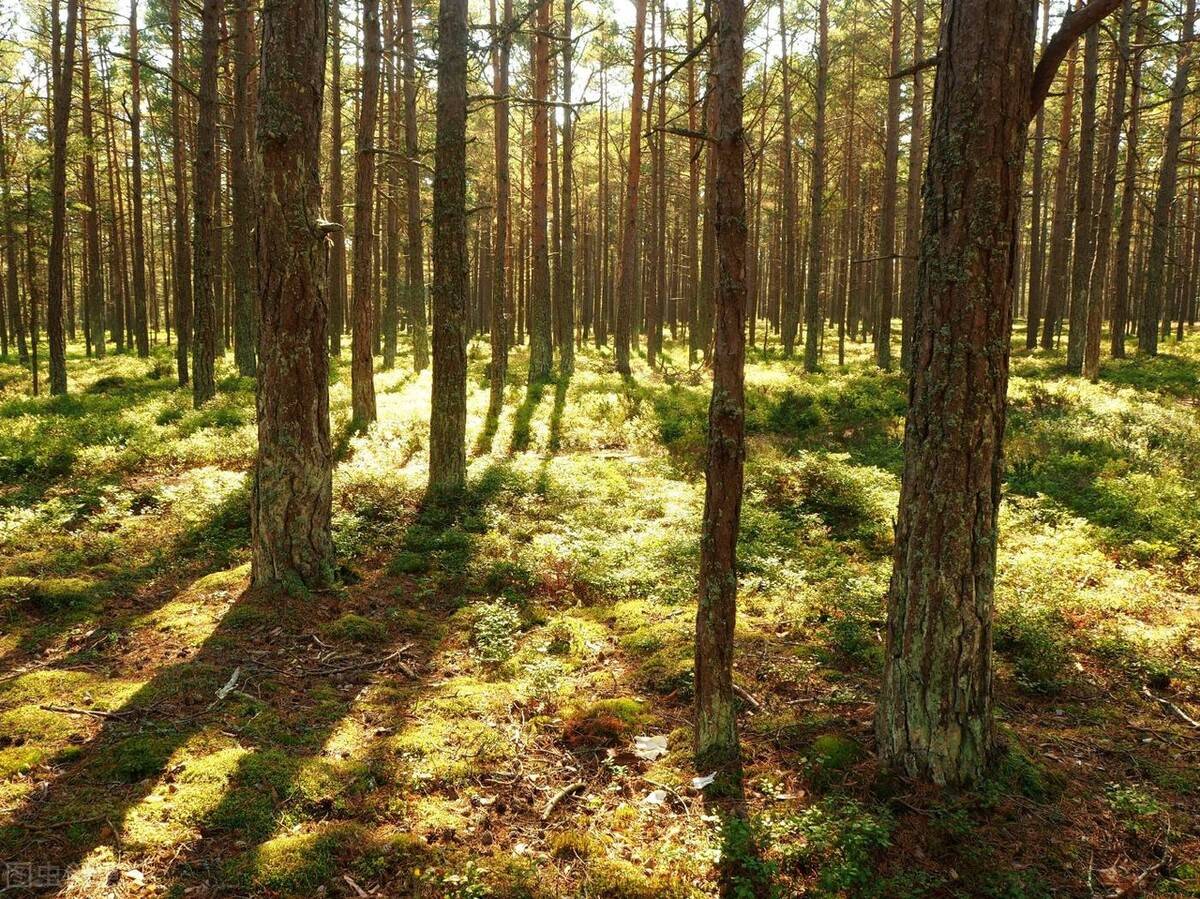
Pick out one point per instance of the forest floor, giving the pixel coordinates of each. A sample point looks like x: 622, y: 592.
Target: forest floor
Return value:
x: 461, y: 717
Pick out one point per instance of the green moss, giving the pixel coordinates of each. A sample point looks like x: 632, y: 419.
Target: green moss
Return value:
x: 298, y: 863
x: 409, y: 562
x: 354, y: 628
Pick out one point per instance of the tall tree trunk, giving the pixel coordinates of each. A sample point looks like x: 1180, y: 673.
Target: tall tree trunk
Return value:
x: 412, y: 183
x: 887, y: 223
x: 540, y: 348
x: 812, y: 300
x: 1095, y: 310
x: 695, y: 148
x: 912, y: 209
x: 934, y: 714
x: 1085, y: 224
x: 627, y: 274
x: 502, y: 258
x: 1037, y: 249
x: 448, y: 417
x: 291, y: 507
x: 337, y: 253
x: 1060, y: 231
x: 242, y: 250
x: 94, y: 282
x: 16, y: 321
x: 182, y: 275
x: 391, y: 306
x: 205, y: 270
x: 789, y: 303
x: 566, y: 292
x: 716, y: 727
x: 1164, y: 197
x: 63, y: 72
x: 1119, y: 317
x: 362, y: 375
x: 141, y: 326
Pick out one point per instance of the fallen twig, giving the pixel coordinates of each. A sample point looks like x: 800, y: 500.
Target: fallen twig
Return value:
x: 558, y: 797
x: 744, y: 695
x: 369, y: 663
x: 93, y: 713
x: 1167, y: 704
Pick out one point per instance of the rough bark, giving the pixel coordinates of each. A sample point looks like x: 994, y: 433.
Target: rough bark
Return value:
x: 337, y: 251
x: 391, y: 265
x: 887, y: 223
x: 716, y: 727
x: 1119, y: 316
x: 934, y: 714
x: 412, y: 183
x: 912, y: 211
x: 242, y: 249
x: 182, y: 275
x: 565, y: 318
x: 293, y: 473
x: 789, y: 302
x: 1085, y: 224
x: 141, y: 325
x: 500, y: 298
x: 94, y: 281
x: 1060, y: 231
x: 448, y: 420
x: 540, y: 347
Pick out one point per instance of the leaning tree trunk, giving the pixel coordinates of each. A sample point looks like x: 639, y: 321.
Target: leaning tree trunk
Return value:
x: 627, y: 267
x: 448, y: 417
x: 716, y: 727
x: 934, y: 714
x: 55, y: 335
x: 1164, y: 198
x: 362, y: 375
x: 291, y: 506
x: 205, y: 273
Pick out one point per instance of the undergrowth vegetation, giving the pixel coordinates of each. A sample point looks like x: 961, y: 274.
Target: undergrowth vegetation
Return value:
x: 461, y: 717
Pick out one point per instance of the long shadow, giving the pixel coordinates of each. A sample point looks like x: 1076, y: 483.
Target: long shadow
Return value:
x: 523, y: 417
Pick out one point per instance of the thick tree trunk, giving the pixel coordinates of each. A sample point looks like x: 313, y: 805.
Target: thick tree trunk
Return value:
x: 1164, y: 198
x: 362, y: 375
x: 205, y: 269
x: 448, y: 420
x: 812, y: 300
x: 934, y: 714
x: 627, y: 266
x: 63, y: 72
x: 716, y: 726
x: 293, y: 473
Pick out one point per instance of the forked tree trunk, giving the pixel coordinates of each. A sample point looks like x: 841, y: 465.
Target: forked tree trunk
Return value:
x: 362, y: 375
x: 716, y: 727
x: 293, y: 473
x: 448, y: 418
